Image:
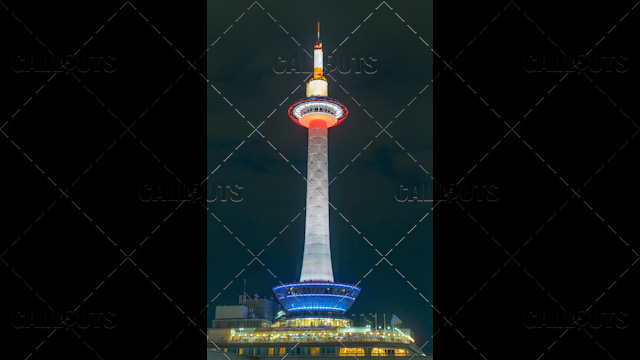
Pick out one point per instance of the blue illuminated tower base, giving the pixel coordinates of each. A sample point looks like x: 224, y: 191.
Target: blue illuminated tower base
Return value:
x: 316, y: 298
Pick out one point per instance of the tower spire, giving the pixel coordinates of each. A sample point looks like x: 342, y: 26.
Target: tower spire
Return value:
x: 318, y: 85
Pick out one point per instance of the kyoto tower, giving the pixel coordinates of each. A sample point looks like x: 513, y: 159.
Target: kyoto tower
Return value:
x: 317, y: 293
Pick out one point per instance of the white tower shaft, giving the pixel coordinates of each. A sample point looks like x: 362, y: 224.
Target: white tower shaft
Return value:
x: 316, y: 263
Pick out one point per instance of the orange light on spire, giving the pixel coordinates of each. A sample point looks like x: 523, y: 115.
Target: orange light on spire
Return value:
x: 317, y: 59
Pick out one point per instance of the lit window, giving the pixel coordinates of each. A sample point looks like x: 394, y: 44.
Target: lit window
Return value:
x: 351, y: 351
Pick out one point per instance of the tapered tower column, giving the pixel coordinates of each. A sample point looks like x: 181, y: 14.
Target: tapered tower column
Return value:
x: 316, y: 263
x: 317, y: 293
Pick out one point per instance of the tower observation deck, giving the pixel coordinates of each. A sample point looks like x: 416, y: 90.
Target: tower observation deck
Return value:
x: 317, y: 293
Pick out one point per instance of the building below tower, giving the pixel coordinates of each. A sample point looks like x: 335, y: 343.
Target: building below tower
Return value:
x: 258, y: 328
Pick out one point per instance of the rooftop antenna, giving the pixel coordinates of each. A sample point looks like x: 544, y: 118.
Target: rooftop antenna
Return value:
x: 244, y: 292
x: 318, y: 31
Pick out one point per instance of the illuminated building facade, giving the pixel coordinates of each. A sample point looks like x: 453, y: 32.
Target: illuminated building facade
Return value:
x: 312, y: 322
x: 306, y: 336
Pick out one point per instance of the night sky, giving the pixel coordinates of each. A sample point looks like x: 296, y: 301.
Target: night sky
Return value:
x: 241, y: 67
